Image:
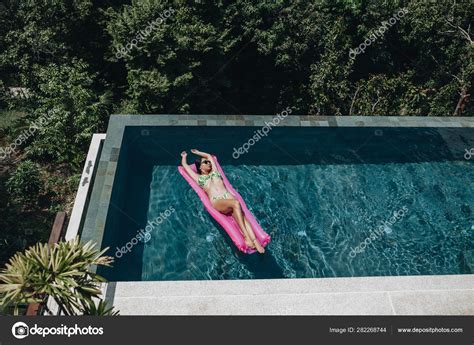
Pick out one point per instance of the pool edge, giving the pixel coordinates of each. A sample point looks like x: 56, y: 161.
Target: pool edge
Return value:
x: 395, y: 295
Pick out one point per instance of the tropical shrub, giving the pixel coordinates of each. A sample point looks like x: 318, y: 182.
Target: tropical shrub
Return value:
x: 25, y: 184
x: 61, y: 271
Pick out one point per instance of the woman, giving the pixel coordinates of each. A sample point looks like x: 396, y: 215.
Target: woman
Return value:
x: 221, y: 199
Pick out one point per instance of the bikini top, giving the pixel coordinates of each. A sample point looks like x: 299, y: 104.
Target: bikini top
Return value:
x: 202, y: 180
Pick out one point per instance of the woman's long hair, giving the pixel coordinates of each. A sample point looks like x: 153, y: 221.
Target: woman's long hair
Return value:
x: 197, y: 163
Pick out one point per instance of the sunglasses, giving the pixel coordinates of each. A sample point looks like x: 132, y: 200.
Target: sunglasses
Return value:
x: 206, y: 162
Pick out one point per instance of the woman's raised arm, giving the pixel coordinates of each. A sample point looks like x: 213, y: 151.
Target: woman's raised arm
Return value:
x: 207, y: 156
x: 186, y: 167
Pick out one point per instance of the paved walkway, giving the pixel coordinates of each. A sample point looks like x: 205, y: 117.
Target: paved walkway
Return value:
x: 411, y: 295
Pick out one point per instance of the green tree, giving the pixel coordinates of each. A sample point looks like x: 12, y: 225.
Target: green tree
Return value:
x: 174, y: 48
x: 41, y: 32
x: 67, y: 100
x: 25, y: 184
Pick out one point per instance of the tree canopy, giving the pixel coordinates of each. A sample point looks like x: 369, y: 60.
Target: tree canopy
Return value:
x: 246, y: 57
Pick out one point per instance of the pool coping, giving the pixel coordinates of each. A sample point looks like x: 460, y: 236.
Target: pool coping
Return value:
x: 393, y: 295
x: 420, y: 295
x: 85, y: 187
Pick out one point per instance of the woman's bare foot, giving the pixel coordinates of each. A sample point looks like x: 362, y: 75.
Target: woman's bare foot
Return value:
x: 258, y: 246
x: 249, y: 242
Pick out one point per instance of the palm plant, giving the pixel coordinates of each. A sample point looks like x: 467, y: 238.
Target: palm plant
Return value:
x: 61, y: 271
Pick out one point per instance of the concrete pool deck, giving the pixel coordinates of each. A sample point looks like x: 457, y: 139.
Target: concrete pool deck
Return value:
x: 400, y: 295
x: 403, y: 295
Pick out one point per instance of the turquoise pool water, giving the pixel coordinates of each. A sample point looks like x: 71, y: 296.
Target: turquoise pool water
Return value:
x: 337, y: 202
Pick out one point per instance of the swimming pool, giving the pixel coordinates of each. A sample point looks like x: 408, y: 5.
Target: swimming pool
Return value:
x: 320, y: 193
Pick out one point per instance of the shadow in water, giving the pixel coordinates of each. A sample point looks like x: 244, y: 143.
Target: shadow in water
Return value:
x: 305, y: 145
x: 128, y: 214
x: 261, y: 266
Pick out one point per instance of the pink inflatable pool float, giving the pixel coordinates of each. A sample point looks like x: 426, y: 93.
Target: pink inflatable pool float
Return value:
x: 227, y: 221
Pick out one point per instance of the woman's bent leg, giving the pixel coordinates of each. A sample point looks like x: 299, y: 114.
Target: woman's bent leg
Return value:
x: 243, y: 223
x: 231, y: 205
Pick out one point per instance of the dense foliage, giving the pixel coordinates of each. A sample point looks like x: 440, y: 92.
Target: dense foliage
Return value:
x: 241, y: 57
x: 24, y: 185
x: 77, y: 61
